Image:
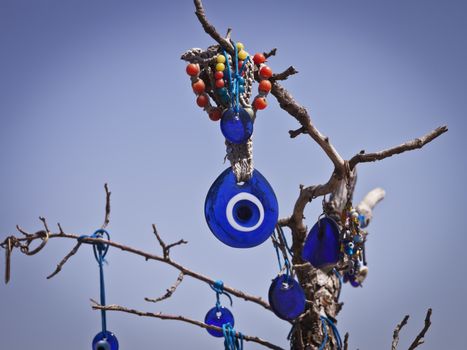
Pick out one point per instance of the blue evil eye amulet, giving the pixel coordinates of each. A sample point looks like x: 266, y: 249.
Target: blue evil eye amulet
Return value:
x: 236, y: 125
x: 218, y: 316
x: 322, y: 245
x: 105, y: 341
x: 286, y: 297
x: 241, y: 215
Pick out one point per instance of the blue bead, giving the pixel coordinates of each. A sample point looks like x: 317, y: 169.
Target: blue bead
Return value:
x: 241, y: 81
x: 361, y: 219
x: 105, y: 341
x: 322, y: 246
x: 241, y: 215
x: 241, y: 89
x: 218, y: 316
x: 286, y: 297
x: 236, y: 127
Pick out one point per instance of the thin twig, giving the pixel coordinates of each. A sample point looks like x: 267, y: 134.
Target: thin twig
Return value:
x: 270, y: 53
x: 419, y: 142
x: 44, y: 222
x: 346, y: 341
x: 395, y: 335
x: 169, y: 291
x: 179, y: 242
x: 107, y: 207
x: 24, y: 232
x: 65, y: 259
x: 60, y: 228
x: 294, y: 133
x: 419, y: 340
x: 285, y: 74
x: 166, y: 247
x: 162, y: 316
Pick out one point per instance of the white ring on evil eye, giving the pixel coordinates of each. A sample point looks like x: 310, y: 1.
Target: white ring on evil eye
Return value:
x: 234, y: 200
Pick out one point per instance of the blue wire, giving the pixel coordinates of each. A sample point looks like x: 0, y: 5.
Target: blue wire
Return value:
x: 325, y: 319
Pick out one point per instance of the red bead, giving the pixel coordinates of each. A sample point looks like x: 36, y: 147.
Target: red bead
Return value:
x: 192, y: 69
x: 218, y: 75
x: 260, y: 103
x: 265, y: 85
x: 199, y: 86
x: 240, y: 64
x: 220, y: 83
x: 265, y: 72
x: 215, y: 114
x: 259, y: 58
x: 202, y: 100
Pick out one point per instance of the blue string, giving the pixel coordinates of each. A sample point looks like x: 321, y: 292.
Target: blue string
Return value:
x: 339, y: 276
x: 218, y: 287
x: 234, y: 79
x: 335, y: 331
x: 232, y: 341
x: 100, y: 250
x: 286, y: 260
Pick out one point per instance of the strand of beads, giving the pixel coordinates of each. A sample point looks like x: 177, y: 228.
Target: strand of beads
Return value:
x: 199, y: 88
x: 265, y: 85
x: 353, y: 246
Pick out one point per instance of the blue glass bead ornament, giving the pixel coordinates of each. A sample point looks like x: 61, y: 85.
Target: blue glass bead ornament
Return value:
x: 105, y: 341
x: 218, y: 316
x: 351, y: 279
x: 241, y: 215
x: 286, y: 297
x: 322, y: 246
x: 236, y: 126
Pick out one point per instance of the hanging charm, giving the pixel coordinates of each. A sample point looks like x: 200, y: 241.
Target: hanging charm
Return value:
x: 286, y: 296
x: 219, y: 315
x: 104, y: 340
x: 241, y: 215
x: 322, y: 245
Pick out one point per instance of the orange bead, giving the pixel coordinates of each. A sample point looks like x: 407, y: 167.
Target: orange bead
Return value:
x: 192, y: 69
x: 215, y: 114
x: 202, y: 100
x: 265, y: 72
x: 220, y: 83
x: 260, y: 103
x: 259, y: 58
x: 218, y: 75
x: 265, y: 85
x: 199, y: 86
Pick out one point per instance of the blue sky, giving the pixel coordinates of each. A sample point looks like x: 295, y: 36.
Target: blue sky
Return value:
x: 94, y: 92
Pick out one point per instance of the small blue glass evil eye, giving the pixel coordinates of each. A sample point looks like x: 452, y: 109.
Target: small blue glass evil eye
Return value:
x: 286, y: 297
x: 105, y: 341
x: 322, y: 246
x: 236, y: 127
x: 352, y: 280
x: 218, y: 316
x: 241, y: 215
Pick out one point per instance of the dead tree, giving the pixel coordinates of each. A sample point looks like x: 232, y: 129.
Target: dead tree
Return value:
x: 322, y: 287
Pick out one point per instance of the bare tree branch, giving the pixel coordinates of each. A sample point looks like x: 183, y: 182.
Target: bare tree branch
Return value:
x: 395, y: 336
x: 419, y: 142
x: 169, y: 291
x: 147, y: 256
x: 419, y: 340
x: 210, y: 29
x: 164, y: 246
x: 294, y: 133
x: 162, y: 316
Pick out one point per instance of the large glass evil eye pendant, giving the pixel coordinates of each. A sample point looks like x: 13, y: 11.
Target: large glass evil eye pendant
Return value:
x: 218, y: 316
x: 241, y: 215
x: 286, y: 297
x: 105, y: 341
x: 322, y: 247
x: 236, y: 125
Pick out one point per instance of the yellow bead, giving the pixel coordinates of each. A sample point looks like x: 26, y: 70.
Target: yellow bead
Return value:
x: 220, y: 67
x: 242, y: 54
x: 220, y: 59
x: 240, y: 46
